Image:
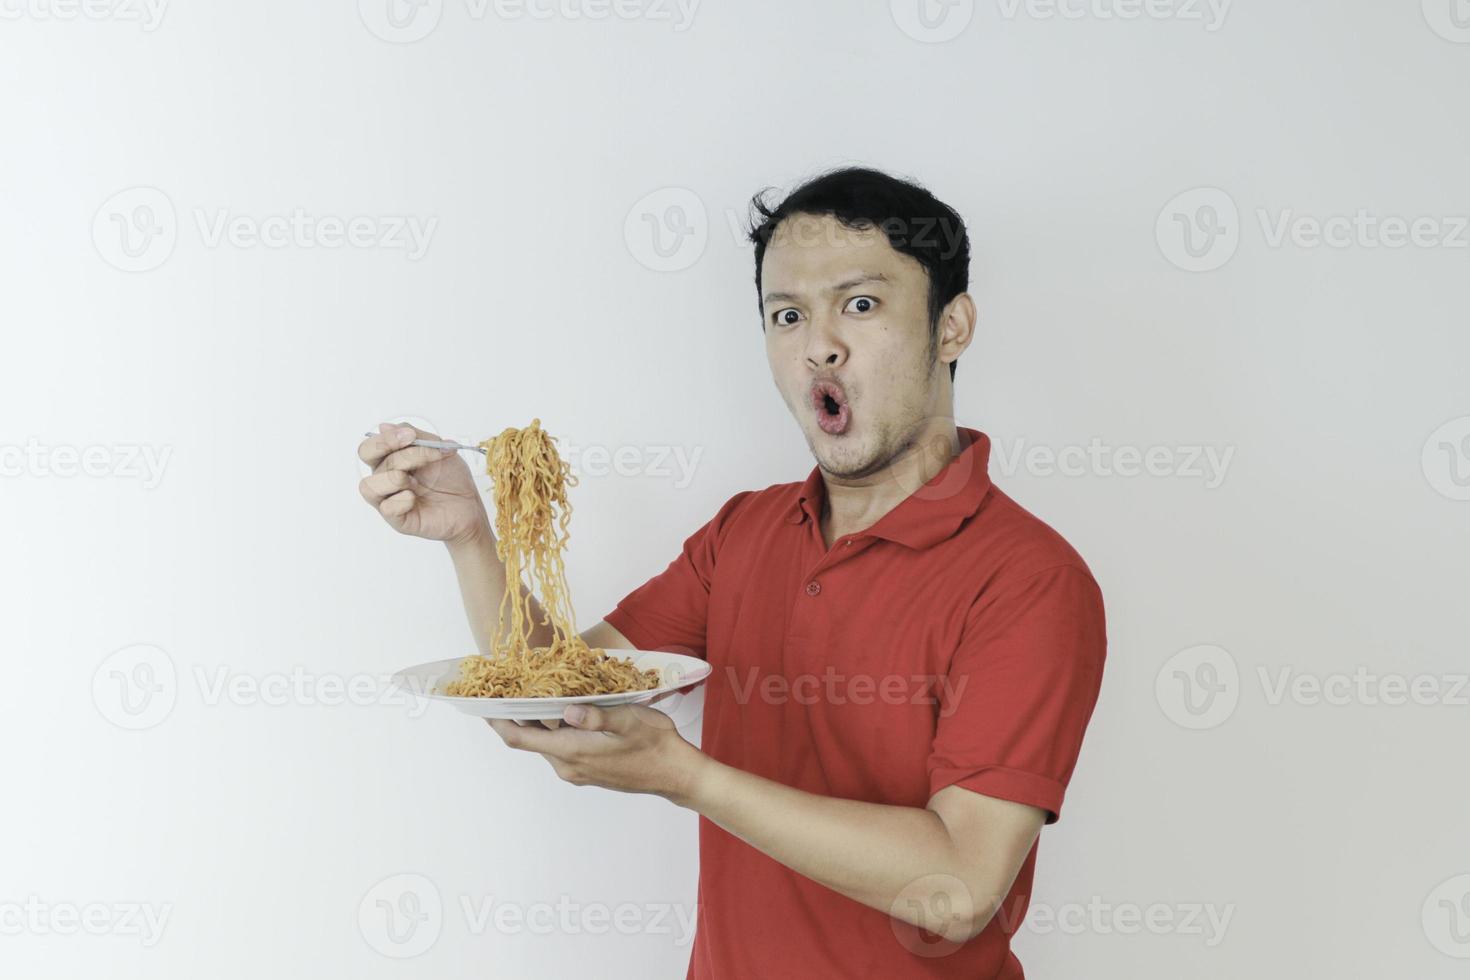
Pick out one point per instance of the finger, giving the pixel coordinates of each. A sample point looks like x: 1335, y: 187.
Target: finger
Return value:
x: 377, y: 487
x: 398, y: 505
x: 531, y: 738
x: 389, y: 438
x: 411, y: 458
x: 617, y: 720
x: 417, y: 432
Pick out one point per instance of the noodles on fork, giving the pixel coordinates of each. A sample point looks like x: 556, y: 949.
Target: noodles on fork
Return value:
x: 532, y: 514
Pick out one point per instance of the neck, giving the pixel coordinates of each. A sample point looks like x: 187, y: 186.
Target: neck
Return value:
x: 853, y: 505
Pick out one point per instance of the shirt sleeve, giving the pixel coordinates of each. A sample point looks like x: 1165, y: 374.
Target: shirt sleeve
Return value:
x: 670, y: 611
x: 1021, y: 689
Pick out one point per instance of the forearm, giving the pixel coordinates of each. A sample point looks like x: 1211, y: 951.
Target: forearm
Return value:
x: 481, y: 576
x: 899, y: 860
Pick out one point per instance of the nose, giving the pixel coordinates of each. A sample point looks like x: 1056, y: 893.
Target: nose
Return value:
x: 824, y: 347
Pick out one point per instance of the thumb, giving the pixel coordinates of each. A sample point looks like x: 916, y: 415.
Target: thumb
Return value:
x: 591, y: 718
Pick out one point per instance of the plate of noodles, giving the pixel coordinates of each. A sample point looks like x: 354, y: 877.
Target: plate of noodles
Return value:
x: 532, y: 675
x: 500, y: 687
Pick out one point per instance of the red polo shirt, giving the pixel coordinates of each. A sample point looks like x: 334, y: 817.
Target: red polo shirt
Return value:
x: 959, y: 641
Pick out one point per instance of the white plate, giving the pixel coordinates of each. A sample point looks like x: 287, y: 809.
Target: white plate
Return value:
x: 677, y: 672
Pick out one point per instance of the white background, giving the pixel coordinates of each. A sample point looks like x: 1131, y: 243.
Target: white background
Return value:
x: 1331, y: 834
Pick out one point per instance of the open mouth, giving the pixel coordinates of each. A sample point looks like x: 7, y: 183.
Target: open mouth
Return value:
x: 830, y: 403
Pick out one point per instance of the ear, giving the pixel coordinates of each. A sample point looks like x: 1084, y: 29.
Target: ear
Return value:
x: 956, y: 327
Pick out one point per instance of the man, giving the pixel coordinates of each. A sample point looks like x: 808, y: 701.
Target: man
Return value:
x: 904, y: 659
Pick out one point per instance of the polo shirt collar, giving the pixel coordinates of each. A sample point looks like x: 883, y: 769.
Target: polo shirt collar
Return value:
x: 931, y: 513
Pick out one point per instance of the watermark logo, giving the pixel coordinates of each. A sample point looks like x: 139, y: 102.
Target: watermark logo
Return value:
x: 1210, y: 13
x: 121, y: 461
x: 148, y: 14
x: 680, y: 13
x: 667, y: 230
x: 930, y: 916
x: 401, y: 916
x: 135, y: 687
x: 1207, y: 464
x: 1446, y: 917
x: 1201, y: 686
x: 663, y: 462
x: 302, y: 688
x: 1205, y: 921
x: 407, y: 21
x: 568, y: 917
x: 1199, y: 230
x: 400, y: 21
x: 404, y: 915
x: 406, y: 233
x: 836, y: 687
x: 1362, y: 229
x: 1446, y: 459
x: 135, y: 230
x: 1198, y: 687
x: 1450, y: 19
x: 932, y: 21
x: 1362, y: 687
x: 134, y: 920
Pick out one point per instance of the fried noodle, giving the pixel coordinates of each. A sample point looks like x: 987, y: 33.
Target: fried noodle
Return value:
x: 532, y: 517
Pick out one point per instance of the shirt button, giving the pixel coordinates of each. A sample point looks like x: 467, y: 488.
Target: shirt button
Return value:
x: 813, y: 587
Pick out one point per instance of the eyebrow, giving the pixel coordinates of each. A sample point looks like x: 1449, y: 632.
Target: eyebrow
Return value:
x: 841, y: 287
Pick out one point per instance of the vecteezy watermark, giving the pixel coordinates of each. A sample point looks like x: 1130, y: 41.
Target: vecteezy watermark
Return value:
x: 944, y: 236
x: 135, y: 687
x: 667, y: 229
x: 138, y: 687
x: 1200, y: 687
x: 401, y: 916
x: 148, y: 14
x: 1205, y: 920
x: 568, y: 917
x: 404, y: 915
x: 407, y: 233
x: 1446, y: 917
x: 136, y: 230
x: 1450, y: 19
x: 1362, y: 229
x: 34, y: 916
x: 678, y: 462
x: 932, y: 21
x: 117, y: 461
x: 1210, y: 13
x: 836, y: 687
x: 1200, y: 230
x: 932, y: 916
x: 1363, y: 686
x: 300, y: 687
x: 1446, y: 459
x: 406, y: 21
x: 1208, y: 464
x: 400, y: 21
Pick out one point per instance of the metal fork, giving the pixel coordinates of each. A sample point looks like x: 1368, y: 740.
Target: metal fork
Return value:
x: 439, y: 444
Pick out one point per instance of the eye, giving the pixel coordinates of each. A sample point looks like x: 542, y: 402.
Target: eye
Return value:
x: 860, y: 304
x: 786, y: 317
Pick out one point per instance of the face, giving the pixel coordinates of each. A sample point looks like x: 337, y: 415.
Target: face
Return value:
x: 848, y: 339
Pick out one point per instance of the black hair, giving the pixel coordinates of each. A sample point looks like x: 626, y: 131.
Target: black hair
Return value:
x: 916, y: 223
